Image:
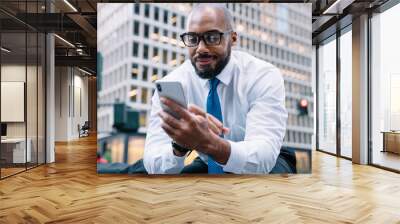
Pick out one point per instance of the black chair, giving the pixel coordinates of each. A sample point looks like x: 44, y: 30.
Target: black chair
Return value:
x: 286, y: 156
x: 84, y: 130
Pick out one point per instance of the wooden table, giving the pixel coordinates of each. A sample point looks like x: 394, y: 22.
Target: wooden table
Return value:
x: 391, y: 141
x: 13, y: 150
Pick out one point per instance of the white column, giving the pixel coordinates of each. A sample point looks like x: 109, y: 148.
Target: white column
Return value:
x: 50, y: 99
x: 360, y: 90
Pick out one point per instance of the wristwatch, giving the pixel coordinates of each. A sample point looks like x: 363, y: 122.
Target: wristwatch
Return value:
x: 180, y: 148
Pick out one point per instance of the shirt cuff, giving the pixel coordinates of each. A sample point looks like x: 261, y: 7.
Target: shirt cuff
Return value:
x: 237, y: 159
x: 173, y: 159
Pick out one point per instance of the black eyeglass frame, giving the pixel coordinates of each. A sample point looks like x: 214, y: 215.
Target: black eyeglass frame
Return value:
x: 201, y: 37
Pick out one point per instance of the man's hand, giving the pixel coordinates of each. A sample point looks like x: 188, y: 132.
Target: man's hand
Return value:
x: 214, y: 124
x: 195, y: 130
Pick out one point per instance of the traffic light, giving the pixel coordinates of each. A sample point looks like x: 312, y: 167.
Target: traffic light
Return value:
x: 125, y: 119
x: 302, y: 106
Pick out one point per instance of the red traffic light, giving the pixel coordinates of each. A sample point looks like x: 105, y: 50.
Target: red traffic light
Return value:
x: 303, y: 103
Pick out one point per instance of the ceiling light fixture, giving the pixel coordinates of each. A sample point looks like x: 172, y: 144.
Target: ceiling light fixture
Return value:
x: 64, y: 40
x: 337, y: 7
x: 5, y: 50
x: 70, y: 5
x: 84, y: 71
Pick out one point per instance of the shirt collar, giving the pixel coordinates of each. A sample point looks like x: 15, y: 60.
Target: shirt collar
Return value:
x: 225, y: 76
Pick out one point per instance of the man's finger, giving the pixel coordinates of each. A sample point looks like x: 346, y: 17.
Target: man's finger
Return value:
x: 215, y: 121
x: 182, y: 112
x: 196, y: 110
x: 218, y: 124
x: 214, y: 128
x: 169, y: 130
x: 170, y: 120
x: 225, y: 130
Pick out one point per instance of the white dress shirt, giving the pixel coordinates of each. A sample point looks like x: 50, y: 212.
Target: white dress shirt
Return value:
x: 252, y: 98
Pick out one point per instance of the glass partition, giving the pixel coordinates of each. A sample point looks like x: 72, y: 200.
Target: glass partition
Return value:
x: 327, y: 96
x: 385, y: 89
x: 346, y: 94
x: 22, y: 88
x: 14, y: 153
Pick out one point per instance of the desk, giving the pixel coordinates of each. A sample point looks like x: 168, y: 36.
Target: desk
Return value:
x: 391, y: 141
x: 15, y: 148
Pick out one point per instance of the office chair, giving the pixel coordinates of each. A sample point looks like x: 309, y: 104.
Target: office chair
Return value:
x: 84, y: 130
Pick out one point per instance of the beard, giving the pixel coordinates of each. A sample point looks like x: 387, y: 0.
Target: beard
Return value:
x: 209, y: 72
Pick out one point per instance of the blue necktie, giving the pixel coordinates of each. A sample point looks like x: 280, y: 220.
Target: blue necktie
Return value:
x: 214, y: 108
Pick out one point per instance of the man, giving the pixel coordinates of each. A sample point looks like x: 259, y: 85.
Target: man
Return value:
x: 236, y: 119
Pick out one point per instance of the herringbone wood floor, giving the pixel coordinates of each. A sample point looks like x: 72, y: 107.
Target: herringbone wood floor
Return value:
x: 70, y: 191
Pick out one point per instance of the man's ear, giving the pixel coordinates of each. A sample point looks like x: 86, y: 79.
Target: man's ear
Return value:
x: 234, y: 38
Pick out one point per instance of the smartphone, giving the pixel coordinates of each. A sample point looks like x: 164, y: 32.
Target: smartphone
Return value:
x: 172, y: 90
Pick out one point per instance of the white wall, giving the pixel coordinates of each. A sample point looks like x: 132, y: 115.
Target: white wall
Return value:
x: 33, y: 126
x: 71, y: 94
x: 12, y: 73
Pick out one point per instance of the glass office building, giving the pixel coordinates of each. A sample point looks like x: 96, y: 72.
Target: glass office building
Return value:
x: 140, y: 43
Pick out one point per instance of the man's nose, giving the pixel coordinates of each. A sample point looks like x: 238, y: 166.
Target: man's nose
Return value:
x: 202, y: 47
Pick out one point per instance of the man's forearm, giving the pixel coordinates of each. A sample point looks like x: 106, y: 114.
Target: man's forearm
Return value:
x: 219, y: 149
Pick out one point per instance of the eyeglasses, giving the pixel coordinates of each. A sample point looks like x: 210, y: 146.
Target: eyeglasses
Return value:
x: 210, y: 38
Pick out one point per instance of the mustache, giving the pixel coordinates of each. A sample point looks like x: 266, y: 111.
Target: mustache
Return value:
x: 205, y: 56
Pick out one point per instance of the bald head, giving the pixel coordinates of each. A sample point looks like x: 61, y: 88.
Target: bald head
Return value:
x: 211, y: 9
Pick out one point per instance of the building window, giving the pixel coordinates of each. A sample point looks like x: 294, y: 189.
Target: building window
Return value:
x: 173, y: 61
x: 164, y: 57
x: 155, y: 54
x: 165, y: 16
x: 155, y: 58
x: 146, y: 51
x: 146, y: 10
x: 165, y: 33
x: 144, y: 73
x: 146, y: 30
x: 133, y: 94
x: 144, y: 95
x: 156, y: 13
x: 137, y: 8
x: 136, y: 25
x: 135, y: 49
x: 182, y: 22
x: 135, y: 71
x: 174, y: 19
x: 182, y: 59
x: 164, y: 73
x: 154, y: 75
